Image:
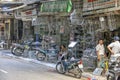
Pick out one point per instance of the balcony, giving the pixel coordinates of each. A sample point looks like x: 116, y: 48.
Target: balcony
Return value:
x: 100, y: 6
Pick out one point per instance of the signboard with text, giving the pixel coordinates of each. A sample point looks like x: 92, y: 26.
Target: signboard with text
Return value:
x: 57, y: 6
x: 29, y: 12
x: 98, y: 4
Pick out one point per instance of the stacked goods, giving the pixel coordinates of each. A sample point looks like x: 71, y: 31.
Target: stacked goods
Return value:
x: 113, y: 22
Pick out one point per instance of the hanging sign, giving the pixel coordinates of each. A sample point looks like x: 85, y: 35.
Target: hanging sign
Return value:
x: 97, y: 4
x: 57, y: 6
x: 29, y: 13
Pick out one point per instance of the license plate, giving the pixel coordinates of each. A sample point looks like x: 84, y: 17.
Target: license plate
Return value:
x: 80, y: 66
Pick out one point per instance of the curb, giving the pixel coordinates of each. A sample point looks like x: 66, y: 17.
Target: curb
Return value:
x: 52, y: 65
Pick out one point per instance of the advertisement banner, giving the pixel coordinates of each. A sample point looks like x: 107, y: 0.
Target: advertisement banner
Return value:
x: 57, y: 6
x: 98, y: 4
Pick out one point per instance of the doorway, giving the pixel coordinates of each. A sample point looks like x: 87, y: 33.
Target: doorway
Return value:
x: 20, y: 29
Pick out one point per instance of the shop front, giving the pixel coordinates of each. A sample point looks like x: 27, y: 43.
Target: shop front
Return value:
x: 24, y: 20
x: 52, y: 22
x: 102, y: 20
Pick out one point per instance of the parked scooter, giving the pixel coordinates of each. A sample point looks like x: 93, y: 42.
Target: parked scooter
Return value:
x: 114, y: 68
x: 19, y: 49
x: 40, y: 54
x: 74, y: 66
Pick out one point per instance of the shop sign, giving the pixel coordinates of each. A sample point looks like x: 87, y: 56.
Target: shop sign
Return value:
x: 29, y: 13
x: 28, y: 18
x: 57, y: 6
x: 98, y: 4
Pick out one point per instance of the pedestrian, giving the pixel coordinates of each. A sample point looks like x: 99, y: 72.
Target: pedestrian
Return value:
x: 114, y: 47
x: 61, y: 51
x: 100, y: 50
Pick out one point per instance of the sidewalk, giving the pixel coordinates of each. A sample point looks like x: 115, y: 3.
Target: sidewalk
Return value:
x: 88, y: 75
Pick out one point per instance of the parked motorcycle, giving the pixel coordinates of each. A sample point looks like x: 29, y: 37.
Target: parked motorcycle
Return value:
x: 114, y: 68
x: 18, y: 49
x: 29, y: 46
x: 74, y: 66
x: 40, y: 54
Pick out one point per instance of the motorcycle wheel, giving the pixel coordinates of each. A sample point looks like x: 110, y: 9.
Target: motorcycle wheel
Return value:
x: 60, y: 68
x: 40, y: 56
x: 109, y: 77
x: 17, y: 51
x: 78, y: 73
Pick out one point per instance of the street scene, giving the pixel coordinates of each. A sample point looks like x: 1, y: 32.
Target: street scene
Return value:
x: 59, y: 39
x: 17, y: 69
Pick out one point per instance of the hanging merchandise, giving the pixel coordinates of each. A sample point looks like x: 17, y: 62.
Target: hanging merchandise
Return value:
x: 76, y: 18
x: 103, y: 24
x: 77, y: 35
x: 57, y: 6
x: 112, y: 22
x: 62, y: 29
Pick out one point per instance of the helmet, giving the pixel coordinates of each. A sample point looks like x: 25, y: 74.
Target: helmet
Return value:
x: 116, y: 38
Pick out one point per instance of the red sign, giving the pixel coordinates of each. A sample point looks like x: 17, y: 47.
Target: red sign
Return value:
x: 91, y: 0
x: 98, y: 4
x: 28, y: 12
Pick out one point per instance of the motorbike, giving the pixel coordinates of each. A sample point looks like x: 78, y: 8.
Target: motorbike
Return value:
x: 49, y: 54
x: 74, y: 66
x: 18, y: 49
x: 40, y: 54
x: 114, y: 68
x: 29, y: 46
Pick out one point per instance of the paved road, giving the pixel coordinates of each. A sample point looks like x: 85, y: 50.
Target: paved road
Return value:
x: 18, y: 69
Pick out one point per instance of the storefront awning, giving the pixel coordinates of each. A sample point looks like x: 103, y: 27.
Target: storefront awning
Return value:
x: 57, y: 6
